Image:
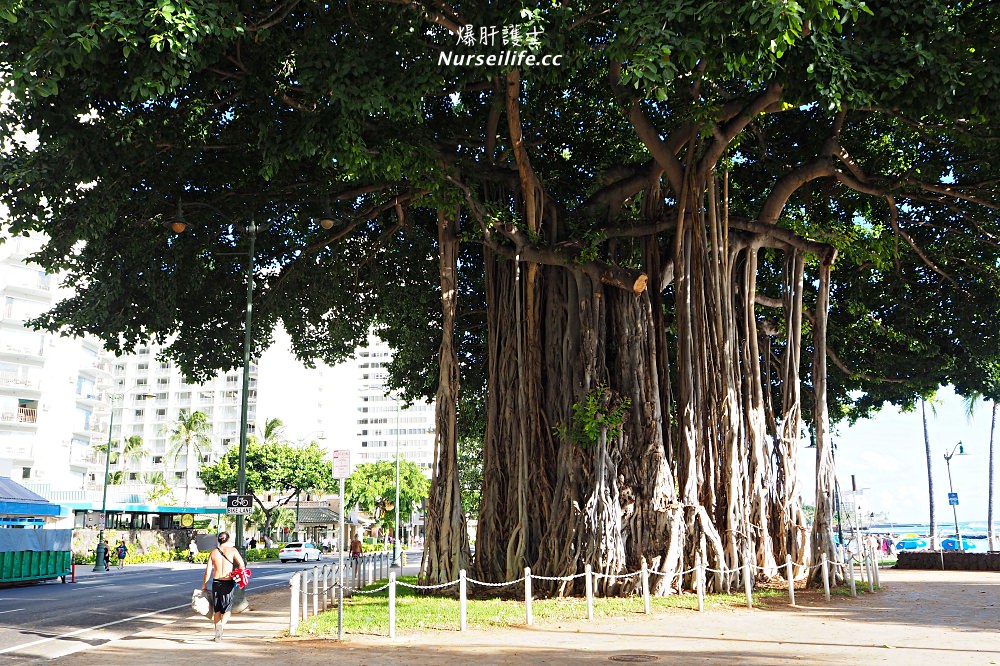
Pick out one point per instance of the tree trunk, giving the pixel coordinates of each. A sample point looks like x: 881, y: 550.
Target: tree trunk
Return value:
x: 930, y: 476
x: 826, y: 476
x: 446, y: 544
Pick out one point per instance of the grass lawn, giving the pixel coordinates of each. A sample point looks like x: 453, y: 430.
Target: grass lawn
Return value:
x: 369, y: 613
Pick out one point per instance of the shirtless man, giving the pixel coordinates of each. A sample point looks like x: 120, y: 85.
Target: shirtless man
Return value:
x: 221, y: 562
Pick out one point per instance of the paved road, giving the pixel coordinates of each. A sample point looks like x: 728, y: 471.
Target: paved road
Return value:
x: 47, y: 620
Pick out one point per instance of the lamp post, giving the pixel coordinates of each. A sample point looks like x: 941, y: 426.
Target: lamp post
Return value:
x: 395, y: 542
x: 178, y: 224
x: 951, y: 492
x: 99, y: 552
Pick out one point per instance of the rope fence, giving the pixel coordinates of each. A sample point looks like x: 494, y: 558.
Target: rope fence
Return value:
x: 358, y: 573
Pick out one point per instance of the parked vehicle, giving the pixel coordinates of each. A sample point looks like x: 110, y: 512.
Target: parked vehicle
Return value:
x: 301, y: 551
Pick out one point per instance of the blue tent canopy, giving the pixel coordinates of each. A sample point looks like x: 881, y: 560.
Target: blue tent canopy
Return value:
x: 18, y: 505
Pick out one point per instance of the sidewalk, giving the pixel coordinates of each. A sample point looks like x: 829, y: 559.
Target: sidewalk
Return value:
x: 919, y: 617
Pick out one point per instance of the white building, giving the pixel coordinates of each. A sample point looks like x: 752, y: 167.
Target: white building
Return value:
x: 52, y: 407
x: 384, y: 425
x: 154, y: 394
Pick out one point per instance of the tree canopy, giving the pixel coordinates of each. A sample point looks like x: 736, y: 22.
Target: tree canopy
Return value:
x: 372, y: 488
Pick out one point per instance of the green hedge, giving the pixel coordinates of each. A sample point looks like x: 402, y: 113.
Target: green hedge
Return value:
x: 252, y: 555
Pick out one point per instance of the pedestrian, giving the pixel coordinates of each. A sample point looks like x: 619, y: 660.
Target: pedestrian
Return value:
x: 221, y: 562
x: 253, y: 542
x: 192, y: 550
x: 122, y: 552
x: 107, y: 556
x: 356, y: 550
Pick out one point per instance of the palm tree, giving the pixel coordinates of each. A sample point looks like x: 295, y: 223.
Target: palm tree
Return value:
x: 133, y: 450
x: 190, y: 430
x: 274, y: 430
x: 930, y: 475
x: 970, y: 407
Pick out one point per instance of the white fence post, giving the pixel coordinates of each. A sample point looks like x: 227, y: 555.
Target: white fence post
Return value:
x: 293, y: 611
x: 748, y: 582
x: 315, y: 595
x: 790, y: 577
x: 645, y: 587
x: 875, y: 567
x: 589, y: 576
x: 826, y: 576
x: 527, y: 596
x: 462, y: 600
x: 392, y: 604
x: 699, y: 582
x: 850, y: 571
x: 305, y: 593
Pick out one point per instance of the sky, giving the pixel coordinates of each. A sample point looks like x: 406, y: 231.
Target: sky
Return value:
x: 887, y: 457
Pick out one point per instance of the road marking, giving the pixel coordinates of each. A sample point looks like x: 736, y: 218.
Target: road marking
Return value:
x: 101, y: 626
x: 13, y: 610
x: 86, y: 629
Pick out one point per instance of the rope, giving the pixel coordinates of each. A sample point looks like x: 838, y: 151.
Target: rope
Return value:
x: 425, y: 587
x: 617, y: 576
x: 484, y: 583
x: 558, y: 578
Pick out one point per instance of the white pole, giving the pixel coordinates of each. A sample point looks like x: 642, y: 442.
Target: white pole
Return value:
x: 462, y: 600
x: 340, y: 559
x: 826, y: 577
x: 875, y: 567
x: 699, y: 572
x: 305, y: 593
x: 315, y: 590
x: 645, y: 587
x: 293, y: 610
x: 790, y: 577
x: 850, y: 570
x: 392, y: 604
x: 528, y: 618
x: 589, y: 577
x: 747, y: 583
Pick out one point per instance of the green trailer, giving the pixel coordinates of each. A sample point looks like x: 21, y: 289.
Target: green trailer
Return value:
x: 35, y: 554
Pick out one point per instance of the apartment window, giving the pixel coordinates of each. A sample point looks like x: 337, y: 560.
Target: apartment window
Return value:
x: 179, y: 475
x: 143, y: 367
x: 139, y: 413
x: 141, y: 382
x: 143, y: 351
x: 133, y: 476
x: 163, y: 381
x: 25, y: 472
x: 164, y: 366
x: 207, y: 458
x: 157, y: 460
x: 161, y: 397
x: 161, y: 413
x: 119, y: 368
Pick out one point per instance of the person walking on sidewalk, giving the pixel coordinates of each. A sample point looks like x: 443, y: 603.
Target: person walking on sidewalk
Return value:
x: 221, y: 562
x: 107, y: 556
x: 122, y: 552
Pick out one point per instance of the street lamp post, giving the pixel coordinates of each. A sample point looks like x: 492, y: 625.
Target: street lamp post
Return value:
x: 99, y: 552
x: 395, y: 542
x: 178, y: 224
x: 951, y: 492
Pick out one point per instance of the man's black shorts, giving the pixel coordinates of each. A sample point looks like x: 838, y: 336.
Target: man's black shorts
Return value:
x: 224, y: 593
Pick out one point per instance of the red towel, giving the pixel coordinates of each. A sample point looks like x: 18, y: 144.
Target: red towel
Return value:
x: 242, y: 577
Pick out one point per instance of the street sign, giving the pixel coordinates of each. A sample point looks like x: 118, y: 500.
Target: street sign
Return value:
x: 239, y: 505
x: 341, y: 464
x: 953, y: 499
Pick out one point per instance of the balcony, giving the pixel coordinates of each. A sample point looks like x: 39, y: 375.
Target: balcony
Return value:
x: 23, y: 351
x: 14, y: 380
x: 21, y: 415
x: 41, y: 285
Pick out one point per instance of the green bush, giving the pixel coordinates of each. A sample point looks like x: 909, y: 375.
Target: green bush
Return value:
x: 261, y: 554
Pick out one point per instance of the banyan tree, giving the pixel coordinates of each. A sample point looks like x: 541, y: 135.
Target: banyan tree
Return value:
x: 632, y: 260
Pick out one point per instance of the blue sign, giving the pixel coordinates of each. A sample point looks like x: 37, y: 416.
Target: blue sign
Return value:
x: 953, y: 499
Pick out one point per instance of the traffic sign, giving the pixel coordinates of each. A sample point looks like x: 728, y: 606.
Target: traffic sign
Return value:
x: 239, y: 505
x: 953, y: 499
x: 341, y: 464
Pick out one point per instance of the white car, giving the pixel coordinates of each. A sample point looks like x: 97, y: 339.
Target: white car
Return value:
x: 300, y: 551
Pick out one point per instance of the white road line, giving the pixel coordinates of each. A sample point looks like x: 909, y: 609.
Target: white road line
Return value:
x: 13, y: 610
x: 101, y: 626
x: 86, y: 629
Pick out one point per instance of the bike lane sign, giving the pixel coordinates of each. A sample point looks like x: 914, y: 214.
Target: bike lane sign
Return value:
x: 239, y: 505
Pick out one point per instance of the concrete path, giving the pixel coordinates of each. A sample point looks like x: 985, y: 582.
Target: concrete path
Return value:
x: 942, y: 618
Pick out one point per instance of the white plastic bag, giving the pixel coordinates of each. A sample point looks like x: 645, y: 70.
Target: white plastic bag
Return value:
x: 202, y: 603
